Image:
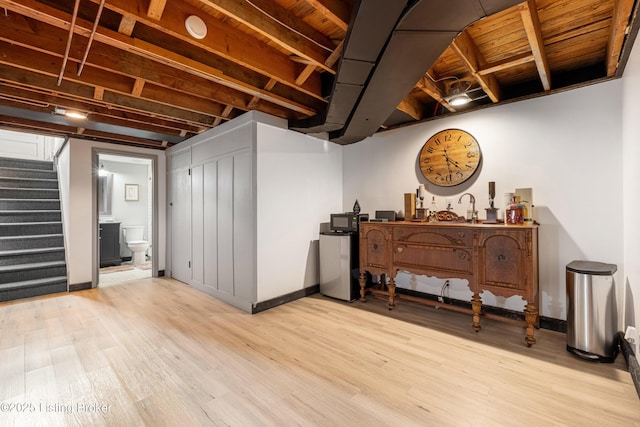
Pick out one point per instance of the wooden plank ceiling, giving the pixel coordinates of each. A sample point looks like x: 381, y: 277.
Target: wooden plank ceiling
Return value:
x: 144, y: 80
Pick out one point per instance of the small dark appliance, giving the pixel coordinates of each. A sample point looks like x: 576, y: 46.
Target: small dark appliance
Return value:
x: 344, y: 222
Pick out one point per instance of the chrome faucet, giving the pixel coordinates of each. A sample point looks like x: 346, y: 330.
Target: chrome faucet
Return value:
x: 474, y: 213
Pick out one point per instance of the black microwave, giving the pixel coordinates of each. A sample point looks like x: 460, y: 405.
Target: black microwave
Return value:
x: 344, y: 222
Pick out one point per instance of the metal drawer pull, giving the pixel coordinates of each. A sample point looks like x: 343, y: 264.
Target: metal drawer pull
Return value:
x: 501, y: 257
x: 400, y: 249
x: 461, y: 234
x: 375, y: 246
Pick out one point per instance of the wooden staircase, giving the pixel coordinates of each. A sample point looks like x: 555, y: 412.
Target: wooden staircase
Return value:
x: 32, y: 257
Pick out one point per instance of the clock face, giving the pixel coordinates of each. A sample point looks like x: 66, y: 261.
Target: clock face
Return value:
x: 450, y: 157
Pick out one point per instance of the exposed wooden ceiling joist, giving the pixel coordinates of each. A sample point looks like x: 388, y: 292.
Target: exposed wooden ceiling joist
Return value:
x: 531, y: 22
x: 473, y: 59
x: 146, y: 75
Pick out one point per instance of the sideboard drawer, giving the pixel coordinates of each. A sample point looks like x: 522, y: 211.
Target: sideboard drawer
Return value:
x: 433, y: 258
x: 434, y: 235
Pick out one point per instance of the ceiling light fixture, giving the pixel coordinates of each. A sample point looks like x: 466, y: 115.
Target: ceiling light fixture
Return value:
x: 196, y: 27
x: 72, y: 114
x: 458, y: 94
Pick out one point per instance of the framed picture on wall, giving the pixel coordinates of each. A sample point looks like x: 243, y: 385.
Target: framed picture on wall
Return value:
x: 131, y: 192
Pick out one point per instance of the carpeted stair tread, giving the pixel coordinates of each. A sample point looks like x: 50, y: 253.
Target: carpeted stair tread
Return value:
x: 22, y: 211
x: 13, y: 199
x: 33, y: 283
x: 29, y: 189
x: 13, y: 168
x: 17, y: 224
x: 10, y: 162
x: 30, y: 236
x: 29, y: 193
x: 31, y: 266
x: 20, y: 182
x: 30, y: 251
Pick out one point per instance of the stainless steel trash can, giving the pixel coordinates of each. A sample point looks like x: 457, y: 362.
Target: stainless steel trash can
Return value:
x: 591, y: 311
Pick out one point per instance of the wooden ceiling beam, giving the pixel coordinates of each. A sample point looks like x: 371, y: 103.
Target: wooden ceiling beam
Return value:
x: 226, y: 112
x: 473, y: 59
x: 278, y: 25
x: 254, y: 101
x: 412, y: 106
x: 138, y: 85
x: 127, y: 24
x: 305, y: 74
x: 335, y: 55
x: 98, y: 93
x: 336, y: 11
x: 23, y: 78
x: 506, y: 63
x: 162, y: 55
x: 123, y: 118
x: 156, y: 8
x: 201, y: 70
x: 531, y: 21
x: 20, y: 57
x: 122, y: 63
x: 619, y: 28
x: 224, y: 40
x: 111, y: 60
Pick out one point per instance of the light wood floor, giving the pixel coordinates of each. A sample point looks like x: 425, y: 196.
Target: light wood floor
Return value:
x: 155, y: 352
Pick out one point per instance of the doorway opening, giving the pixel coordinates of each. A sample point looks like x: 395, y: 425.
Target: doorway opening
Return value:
x: 126, y: 223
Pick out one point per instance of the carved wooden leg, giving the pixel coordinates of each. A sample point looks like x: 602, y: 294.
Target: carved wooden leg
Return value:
x: 363, y: 283
x: 392, y: 293
x: 531, y: 316
x: 476, y: 306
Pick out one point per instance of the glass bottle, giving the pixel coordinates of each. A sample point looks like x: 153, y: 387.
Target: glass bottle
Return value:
x: 514, y: 212
x: 433, y: 212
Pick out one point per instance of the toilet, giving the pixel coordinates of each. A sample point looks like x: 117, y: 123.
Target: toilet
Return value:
x: 134, y: 239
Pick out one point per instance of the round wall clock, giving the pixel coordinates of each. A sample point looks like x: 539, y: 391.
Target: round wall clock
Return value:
x: 450, y: 157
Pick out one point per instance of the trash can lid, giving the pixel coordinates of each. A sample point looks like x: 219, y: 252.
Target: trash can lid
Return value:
x: 590, y: 267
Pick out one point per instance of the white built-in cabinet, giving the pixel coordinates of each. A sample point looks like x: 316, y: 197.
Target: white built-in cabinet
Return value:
x: 244, y: 207
x: 212, y: 211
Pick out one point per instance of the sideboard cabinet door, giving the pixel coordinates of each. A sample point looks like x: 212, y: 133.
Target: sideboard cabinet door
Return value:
x: 502, y: 262
x: 375, y: 248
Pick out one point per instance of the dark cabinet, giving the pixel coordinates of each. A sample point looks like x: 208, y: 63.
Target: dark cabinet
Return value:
x: 110, y: 244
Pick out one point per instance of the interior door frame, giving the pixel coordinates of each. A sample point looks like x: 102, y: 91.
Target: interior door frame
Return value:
x: 95, y: 166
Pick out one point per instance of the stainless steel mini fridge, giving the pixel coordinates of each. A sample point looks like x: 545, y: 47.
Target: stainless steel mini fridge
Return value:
x: 339, y: 265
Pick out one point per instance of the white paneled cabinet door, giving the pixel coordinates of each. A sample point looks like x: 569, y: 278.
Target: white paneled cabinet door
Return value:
x: 197, y: 225
x: 181, y: 225
x: 225, y: 225
x: 210, y: 225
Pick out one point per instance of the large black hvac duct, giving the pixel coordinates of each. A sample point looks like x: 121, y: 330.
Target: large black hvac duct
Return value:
x: 389, y: 46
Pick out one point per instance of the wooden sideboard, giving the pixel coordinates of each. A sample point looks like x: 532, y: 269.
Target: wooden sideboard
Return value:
x: 502, y: 259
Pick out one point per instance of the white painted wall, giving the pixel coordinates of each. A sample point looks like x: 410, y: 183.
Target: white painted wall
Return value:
x: 567, y: 147
x: 24, y: 145
x: 299, y: 183
x: 631, y: 188
x: 77, y: 202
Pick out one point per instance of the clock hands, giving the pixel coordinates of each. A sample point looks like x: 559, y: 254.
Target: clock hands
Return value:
x: 450, y: 160
x: 446, y: 156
